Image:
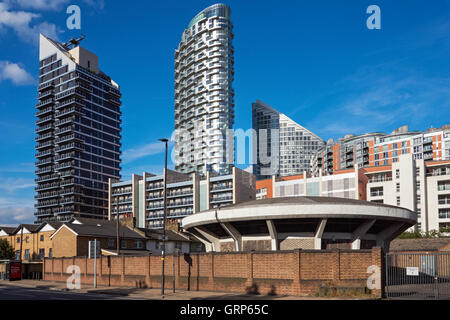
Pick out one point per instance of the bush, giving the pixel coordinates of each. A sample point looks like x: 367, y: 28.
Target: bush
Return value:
x: 6, y: 251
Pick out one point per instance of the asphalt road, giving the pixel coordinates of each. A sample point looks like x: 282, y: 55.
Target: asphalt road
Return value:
x: 19, y: 293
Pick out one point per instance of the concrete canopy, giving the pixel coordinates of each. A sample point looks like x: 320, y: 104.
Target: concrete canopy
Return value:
x: 316, y: 220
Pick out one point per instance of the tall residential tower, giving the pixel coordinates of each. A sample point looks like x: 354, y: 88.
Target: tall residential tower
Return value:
x: 204, y: 97
x: 78, y: 130
x: 282, y: 146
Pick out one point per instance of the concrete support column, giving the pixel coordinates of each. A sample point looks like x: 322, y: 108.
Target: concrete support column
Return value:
x: 360, y: 232
x: 319, y: 233
x: 273, y: 234
x: 210, y: 238
x: 389, y: 233
x: 235, y: 234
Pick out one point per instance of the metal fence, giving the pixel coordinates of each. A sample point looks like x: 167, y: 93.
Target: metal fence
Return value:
x: 418, y: 275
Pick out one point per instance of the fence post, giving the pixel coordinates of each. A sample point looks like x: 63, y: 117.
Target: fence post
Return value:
x: 296, y: 263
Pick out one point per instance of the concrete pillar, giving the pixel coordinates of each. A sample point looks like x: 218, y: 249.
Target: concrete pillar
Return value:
x: 319, y: 233
x: 211, y: 238
x: 273, y: 234
x: 360, y: 232
x: 389, y: 233
x: 235, y: 234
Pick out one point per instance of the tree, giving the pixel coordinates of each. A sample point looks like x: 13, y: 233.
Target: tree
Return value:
x: 6, y: 251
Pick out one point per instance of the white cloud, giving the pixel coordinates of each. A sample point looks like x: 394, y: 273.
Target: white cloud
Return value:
x: 13, y: 215
x: 143, y: 151
x: 15, y: 73
x: 47, y: 5
x: 20, y: 22
x: 13, y: 184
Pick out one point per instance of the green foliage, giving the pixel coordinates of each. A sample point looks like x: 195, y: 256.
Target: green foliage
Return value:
x: 425, y: 235
x: 6, y: 251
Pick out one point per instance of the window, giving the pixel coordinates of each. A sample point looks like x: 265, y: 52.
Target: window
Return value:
x: 18, y: 239
x: 139, y: 244
x: 397, y: 173
x: 398, y: 187
x: 27, y: 239
x: 418, y: 198
x: 398, y: 201
x: 418, y: 184
x: 17, y: 254
x: 42, y: 237
x: 50, y: 253
x: 111, y: 243
x: 123, y: 244
x: 27, y: 254
x: 418, y: 171
x: 41, y: 253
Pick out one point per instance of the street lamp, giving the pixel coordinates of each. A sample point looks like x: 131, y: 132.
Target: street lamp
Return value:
x: 165, y: 217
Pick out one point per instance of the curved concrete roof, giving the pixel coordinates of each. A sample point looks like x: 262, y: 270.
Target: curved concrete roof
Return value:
x: 298, y: 208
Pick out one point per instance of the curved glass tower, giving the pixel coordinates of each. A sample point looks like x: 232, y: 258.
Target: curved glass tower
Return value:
x: 204, y: 97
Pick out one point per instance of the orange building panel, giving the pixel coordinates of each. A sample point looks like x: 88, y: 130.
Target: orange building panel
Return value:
x: 266, y: 183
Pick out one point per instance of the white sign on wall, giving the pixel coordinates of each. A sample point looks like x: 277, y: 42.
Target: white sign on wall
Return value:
x: 412, y: 271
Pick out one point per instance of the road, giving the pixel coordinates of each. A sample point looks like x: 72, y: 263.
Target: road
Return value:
x: 20, y: 293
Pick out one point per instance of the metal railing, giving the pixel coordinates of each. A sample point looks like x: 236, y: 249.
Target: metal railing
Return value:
x: 418, y: 276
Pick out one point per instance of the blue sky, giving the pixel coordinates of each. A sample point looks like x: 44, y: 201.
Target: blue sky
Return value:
x: 315, y: 61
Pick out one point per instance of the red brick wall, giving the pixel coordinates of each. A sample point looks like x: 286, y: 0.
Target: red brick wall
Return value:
x: 298, y: 272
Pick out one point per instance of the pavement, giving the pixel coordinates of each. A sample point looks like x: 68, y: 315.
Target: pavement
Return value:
x: 39, y: 289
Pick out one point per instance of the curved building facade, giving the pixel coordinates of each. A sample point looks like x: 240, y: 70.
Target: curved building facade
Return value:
x: 299, y: 223
x: 204, y: 97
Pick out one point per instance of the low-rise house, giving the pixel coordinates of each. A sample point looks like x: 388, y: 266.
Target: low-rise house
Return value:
x: 72, y: 239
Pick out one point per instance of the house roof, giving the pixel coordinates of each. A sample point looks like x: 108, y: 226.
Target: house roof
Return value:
x: 101, y: 229
x: 29, y: 227
x: 8, y: 230
x: 425, y: 244
x: 172, y: 235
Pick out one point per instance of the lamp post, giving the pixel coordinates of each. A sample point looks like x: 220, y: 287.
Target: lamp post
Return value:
x: 165, y: 217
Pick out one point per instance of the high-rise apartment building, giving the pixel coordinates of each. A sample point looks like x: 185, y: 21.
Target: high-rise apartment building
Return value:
x: 379, y: 149
x: 415, y: 184
x: 142, y: 198
x: 78, y: 130
x: 204, y: 97
x: 282, y: 146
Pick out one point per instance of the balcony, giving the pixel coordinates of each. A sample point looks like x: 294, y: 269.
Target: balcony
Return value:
x: 221, y: 199
x: 44, y: 153
x: 69, y: 146
x: 65, y: 156
x: 44, y: 136
x: 44, y: 103
x: 65, y: 121
x: 44, y: 111
x: 46, y: 93
x: 378, y: 193
x: 44, y: 128
x: 70, y: 110
x: 73, y: 136
x: 44, y: 145
x: 45, y: 85
x: 43, y: 162
x: 68, y: 102
x: 43, y: 120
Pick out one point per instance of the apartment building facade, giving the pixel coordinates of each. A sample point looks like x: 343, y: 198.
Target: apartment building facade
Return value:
x: 142, y: 197
x: 348, y: 184
x: 204, y: 97
x: 379, y: 149
x: 78, y: 131
x: 415, y: 184
x: 282, y: 146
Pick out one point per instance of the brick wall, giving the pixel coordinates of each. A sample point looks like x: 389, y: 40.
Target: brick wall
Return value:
x: 297, y: 272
